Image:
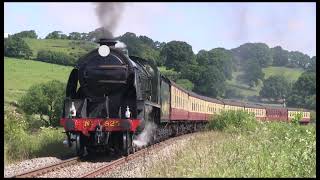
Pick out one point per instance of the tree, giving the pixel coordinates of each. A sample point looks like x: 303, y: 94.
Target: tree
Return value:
x: 186, y: 84
x: 252, y: 73
x: 280, y: 56
x: 74, y: 36
x: 169, y: 73
x: 54, y: 35
x: 63, y: 36
x: 27, y: 34
x: 55, y: 57
x: 177, y: 55
x: 276, y: 87
x: 84, y: 36
x: 231, y: 93
x: 311, y: 67
x: 259, y: 52
x: 298, y: 59
x: 45, y: 99
x: 303, y: 92
x: 211, y: 82
x: 219, y: 57
x: 17, y: 47
x: 134, y: 45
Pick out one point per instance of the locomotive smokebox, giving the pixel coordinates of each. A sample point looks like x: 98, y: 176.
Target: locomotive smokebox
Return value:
x: 108, y: 42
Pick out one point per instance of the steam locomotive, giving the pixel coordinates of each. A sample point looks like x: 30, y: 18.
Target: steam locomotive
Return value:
x: 112, y: 99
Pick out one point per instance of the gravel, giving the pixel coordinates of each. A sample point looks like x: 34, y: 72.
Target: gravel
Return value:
x: 28, y: 165
x: 141, y: 166
x: 134, y: 168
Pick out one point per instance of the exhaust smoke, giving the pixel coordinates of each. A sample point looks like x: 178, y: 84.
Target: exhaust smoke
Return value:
x: 109, y: 15
x: 146, y: 135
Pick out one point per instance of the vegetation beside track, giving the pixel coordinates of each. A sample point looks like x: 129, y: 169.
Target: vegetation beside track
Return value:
x: 235, y: 146
x: 20, y: 143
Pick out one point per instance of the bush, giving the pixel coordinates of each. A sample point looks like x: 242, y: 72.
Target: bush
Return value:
x: 55, y: 57
x: 16, y: 47
x: 233, y: 121
x: 14, y: 135
x: 313, y: 117
x: 297, y: 118
x: 45, y: 99
x: 21, y: 143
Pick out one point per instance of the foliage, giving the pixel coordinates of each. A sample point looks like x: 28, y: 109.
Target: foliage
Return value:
x: 44, y: 99
x: 169, y: 73
x: 74, y: 48
x: 231, y: 93
x: 258, y: 52
x: 177, y: 54
x: 272, y: 150
x: 304, y: 91
x: 252, y: 73
x: 297, y: 118
x: 211, y: 82
x: 56, y: 35
x: 298, y: 59
x: 20, y: 143
x: 313, y: 117
x: 311, y: 67
x: 218, y: 57
x: 276, y: 87
x: 27, y: 34
x: 75, y: 36
x: 55, y: 57
x: 142, y: 46
x: 280, y: 56
x: 186, y: 84
x: 233, y: 121
x: 16, y: 47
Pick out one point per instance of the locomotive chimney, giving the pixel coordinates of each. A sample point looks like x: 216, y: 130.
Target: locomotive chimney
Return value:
x: 108, y: 42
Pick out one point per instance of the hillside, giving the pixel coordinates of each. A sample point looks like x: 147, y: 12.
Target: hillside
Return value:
x: 291, y: 74
x: 19, y: 75
x: 71, y: 47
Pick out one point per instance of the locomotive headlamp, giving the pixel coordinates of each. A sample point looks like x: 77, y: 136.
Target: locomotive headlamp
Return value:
x: 104, y: 50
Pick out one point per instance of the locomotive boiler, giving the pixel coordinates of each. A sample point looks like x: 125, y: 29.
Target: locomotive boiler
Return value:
x: 110, y: 96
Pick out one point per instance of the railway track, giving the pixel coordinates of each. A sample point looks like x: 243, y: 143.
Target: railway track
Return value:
x: 140, y: 153
x: 99, y: 170
x: 48, y: 168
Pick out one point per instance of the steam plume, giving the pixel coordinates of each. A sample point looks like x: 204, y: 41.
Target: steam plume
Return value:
x: 120, y: 45
x: 109, y: 15
x: 146, y: 135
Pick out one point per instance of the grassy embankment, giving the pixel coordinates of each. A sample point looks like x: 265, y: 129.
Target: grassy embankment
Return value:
x: 20, y: 142
x: 71, y: 47
x: 243, y: 148
x: 291, y: 74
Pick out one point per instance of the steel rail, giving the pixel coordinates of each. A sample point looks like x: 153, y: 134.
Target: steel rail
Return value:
x: 38, y: 171
x: 142, y: 152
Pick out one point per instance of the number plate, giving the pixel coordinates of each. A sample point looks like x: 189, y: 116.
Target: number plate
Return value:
x: 112, y: 123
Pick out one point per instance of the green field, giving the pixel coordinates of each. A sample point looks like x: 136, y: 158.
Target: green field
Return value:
x: 20, y: 74
x: 70, y: 47
x: 291, y: 74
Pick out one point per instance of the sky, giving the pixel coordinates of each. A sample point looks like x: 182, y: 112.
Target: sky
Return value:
x: 202, y: 25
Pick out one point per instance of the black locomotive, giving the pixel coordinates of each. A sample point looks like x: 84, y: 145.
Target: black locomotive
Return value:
x: 110, y: 96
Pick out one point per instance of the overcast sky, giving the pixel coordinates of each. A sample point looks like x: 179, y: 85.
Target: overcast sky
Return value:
x: 202, y: 25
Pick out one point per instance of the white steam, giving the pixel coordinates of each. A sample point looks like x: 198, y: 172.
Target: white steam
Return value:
x: 146, y: 135
x: 120, y: 45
